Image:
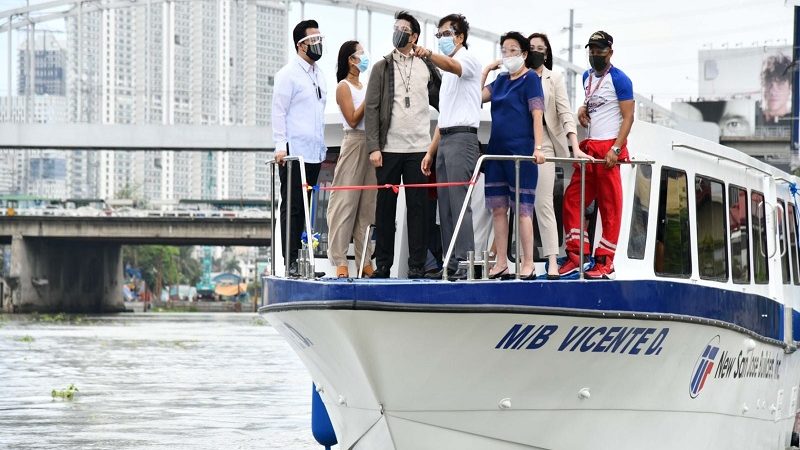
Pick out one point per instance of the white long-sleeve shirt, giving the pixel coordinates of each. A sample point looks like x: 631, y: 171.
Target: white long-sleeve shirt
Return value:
x: 298, y: 110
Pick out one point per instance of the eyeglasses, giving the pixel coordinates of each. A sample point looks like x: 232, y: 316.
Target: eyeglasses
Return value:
x: 513, y: 51
x: 404, y: 29
x: 445, y: 33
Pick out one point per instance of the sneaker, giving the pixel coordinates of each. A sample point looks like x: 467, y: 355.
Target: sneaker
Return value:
x: 602, y: 270
x: 342, y: 272
x: 569, y: 266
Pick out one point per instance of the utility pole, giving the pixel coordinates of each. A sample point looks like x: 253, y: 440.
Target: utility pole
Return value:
x: 570, y: 74
x: 796, y: 84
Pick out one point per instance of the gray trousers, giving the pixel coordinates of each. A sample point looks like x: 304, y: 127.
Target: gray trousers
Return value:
x: 455, y: 162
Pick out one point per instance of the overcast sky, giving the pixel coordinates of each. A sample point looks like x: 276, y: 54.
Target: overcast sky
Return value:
x: 656, y: 43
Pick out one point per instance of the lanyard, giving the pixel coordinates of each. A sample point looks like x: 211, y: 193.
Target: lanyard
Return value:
x: 407, y: 78
x: 588, y: 89
x: 313, y: 80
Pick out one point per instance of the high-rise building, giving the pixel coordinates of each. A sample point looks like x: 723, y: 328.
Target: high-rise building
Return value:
x: 199, y: 62
x: 49, y: 65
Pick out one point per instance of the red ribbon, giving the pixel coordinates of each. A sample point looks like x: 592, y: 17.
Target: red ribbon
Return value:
x: 394, y: 187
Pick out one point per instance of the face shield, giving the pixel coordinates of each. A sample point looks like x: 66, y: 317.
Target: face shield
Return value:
x: 314, y: 43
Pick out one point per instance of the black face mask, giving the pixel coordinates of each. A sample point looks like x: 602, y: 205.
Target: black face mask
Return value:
x: 314, y: 52
x: 400, y: 39
x: 536, y: 59
x: 598, y: 63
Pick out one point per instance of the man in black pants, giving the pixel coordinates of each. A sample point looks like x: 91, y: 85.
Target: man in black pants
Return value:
x: 298, y: 124
x: 397, y: 121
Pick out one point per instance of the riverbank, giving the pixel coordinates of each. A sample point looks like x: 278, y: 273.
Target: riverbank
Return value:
x: 186, y: 306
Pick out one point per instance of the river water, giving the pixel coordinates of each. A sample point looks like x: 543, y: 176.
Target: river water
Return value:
x: 177, y: 381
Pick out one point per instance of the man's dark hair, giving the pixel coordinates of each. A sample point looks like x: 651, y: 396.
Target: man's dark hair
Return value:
x: 300, y: 30
x: 459, y: 24
x: 524, y: 44
x: 404, y: 15
x: 548, y: 61
x: 776, y: 68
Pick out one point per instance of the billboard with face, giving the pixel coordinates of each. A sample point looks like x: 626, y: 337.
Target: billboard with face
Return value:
x: 749, y: 90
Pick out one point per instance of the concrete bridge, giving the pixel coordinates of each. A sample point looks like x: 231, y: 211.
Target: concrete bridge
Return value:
x: 74, y: 264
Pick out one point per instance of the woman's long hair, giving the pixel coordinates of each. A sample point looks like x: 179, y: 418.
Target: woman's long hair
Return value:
x: 343, y: 61
x: 548, y: 61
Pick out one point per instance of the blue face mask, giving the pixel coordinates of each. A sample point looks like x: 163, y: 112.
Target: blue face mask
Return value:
x: 363, y: 63
x: 447, y: 44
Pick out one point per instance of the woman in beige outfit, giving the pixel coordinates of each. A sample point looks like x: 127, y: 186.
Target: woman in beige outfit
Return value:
x: 559, y: 127
x: 351, y: 212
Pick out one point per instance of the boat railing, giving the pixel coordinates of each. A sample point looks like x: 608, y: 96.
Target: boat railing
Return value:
x: 484, y: 262
x: 305, y: 265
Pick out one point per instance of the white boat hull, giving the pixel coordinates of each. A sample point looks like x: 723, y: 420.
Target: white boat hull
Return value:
x: 436, y: 380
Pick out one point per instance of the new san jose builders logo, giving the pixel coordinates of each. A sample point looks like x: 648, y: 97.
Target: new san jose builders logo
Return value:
x: 703, y: 367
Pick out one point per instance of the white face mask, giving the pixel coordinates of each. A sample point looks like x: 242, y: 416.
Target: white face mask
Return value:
x: 513, y: 63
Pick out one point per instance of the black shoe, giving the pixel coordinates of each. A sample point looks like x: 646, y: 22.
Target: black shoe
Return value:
x: 502, y: 275
x: 319, y: 274
x: 381, y: 272
x: 416, y: 273
x: 434, y: 274
x: 553, y: 277
x: 458, y: 275
x: 529, y: 277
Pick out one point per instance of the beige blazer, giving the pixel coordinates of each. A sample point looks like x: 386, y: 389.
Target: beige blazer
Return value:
x: 557, y: 114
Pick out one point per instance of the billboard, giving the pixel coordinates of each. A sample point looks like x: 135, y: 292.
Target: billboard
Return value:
x: 752, y: 85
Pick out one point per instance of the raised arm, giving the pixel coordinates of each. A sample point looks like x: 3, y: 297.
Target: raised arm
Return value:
x: 486, y: 93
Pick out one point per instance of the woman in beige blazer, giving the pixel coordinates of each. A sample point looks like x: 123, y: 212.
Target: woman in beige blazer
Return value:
x: 559, y: 128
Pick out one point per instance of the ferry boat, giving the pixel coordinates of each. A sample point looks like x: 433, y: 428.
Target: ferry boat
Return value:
x: 692, y: 346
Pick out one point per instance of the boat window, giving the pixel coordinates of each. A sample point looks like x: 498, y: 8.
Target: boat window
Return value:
x: 758, y: 219
x: 787, y: 277
x: 672, y: 255
x: 640, y: 211
x: 712, y: 244
x: 793, y: 241
x: 738, y: 212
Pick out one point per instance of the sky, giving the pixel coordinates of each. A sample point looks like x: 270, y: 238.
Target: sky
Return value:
x: 655, y: 43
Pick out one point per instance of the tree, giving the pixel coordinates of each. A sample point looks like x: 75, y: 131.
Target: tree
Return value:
x: 232, y: 265
x: 175, y: 264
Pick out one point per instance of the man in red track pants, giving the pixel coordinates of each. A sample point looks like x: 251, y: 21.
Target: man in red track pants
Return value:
x: 607, y: 112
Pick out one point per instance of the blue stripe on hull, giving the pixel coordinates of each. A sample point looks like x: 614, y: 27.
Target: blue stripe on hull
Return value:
x: 758, y: 314
x: 796, y: 325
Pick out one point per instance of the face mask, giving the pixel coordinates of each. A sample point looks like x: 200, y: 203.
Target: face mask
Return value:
x: 513, y: 63
x: 598, y: 63
x: 537, y: 59
x: 363, y: 63
x: 313, y: 46
x: 314, y: 51
x: 400, y: 39
x: 447, y: 44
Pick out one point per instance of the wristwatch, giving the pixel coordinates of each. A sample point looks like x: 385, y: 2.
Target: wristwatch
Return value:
x: 616, y: 150
x: 539, y: 147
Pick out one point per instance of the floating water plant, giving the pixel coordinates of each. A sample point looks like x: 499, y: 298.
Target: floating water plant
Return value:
x: 66, y: 394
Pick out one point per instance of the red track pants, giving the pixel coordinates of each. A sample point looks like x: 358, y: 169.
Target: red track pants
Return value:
x: 603, y: 185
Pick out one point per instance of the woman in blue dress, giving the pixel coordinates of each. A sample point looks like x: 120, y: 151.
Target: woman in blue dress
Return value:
x: 517, y: 110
